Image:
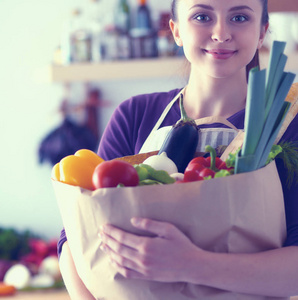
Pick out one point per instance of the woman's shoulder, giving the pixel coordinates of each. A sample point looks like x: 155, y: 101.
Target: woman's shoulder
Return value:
x: 156, y: 101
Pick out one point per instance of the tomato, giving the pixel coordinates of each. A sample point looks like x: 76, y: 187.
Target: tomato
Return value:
x: 114, y: 172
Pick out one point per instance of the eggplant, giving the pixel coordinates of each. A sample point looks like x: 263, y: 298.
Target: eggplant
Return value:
x: 181, y: 142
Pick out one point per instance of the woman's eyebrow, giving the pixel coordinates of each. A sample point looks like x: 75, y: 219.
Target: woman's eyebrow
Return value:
x: 202, y: 6
x: 240, y: 7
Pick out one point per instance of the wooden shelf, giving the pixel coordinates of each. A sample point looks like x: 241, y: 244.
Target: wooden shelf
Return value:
x: 118, y: 70
x: 134, y: 69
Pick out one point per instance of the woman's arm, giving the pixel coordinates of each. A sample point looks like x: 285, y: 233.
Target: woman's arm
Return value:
x: 270, y: 273
x: 171, y: 256
x: 75, y: 287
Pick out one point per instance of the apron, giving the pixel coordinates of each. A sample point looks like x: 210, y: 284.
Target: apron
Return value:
x: 207, y: 136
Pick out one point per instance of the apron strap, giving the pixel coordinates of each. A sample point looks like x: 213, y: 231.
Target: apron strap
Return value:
x: 166, y: 110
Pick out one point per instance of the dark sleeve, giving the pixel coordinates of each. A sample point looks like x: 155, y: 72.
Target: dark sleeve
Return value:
x: 61, y: 241
x: 117, y: 138
x: 290, y: 191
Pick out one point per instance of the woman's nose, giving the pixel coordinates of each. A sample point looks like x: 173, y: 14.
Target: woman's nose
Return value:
x: 221, y: 32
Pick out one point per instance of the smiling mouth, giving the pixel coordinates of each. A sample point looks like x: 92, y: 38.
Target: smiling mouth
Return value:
x: 220, y: 53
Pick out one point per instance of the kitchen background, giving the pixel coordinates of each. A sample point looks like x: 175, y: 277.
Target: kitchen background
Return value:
x: 32, y: 90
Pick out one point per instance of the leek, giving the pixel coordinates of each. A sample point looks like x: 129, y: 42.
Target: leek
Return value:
x: 265, y: 110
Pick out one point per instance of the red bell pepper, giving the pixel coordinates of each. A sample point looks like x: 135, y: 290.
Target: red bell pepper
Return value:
x: 200, y: 168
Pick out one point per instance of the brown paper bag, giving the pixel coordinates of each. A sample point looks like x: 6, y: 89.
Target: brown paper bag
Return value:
x: 242, y: 213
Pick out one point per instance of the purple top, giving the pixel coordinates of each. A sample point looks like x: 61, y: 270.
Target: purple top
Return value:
x: 133, y: 120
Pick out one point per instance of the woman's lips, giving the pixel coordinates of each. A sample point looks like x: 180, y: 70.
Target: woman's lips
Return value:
x: 220, y: 53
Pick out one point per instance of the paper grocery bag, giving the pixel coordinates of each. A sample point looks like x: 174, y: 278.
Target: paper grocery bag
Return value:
x: 242, y: 213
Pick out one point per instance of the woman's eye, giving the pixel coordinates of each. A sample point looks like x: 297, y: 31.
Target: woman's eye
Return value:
x: 202, y: 18
x: 239, y: 19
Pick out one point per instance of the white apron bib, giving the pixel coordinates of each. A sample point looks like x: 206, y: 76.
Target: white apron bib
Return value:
x: 207, y: 136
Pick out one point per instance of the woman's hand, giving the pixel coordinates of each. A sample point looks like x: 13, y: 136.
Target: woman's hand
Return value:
x: 167, y: 257
x: 171, y: 257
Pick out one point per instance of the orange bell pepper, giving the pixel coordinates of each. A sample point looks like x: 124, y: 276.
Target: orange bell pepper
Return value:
x: 77, y: 169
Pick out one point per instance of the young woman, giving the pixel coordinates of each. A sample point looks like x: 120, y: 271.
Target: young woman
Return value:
x: 221, y: 41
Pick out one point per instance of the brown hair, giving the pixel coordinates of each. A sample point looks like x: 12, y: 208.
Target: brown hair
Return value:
x: 265, y: 19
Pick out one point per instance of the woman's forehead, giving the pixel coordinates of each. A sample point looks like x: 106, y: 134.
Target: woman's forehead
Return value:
x: 220, y: 3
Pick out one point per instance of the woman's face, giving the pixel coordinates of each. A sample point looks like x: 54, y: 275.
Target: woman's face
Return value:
x: 219, y: 36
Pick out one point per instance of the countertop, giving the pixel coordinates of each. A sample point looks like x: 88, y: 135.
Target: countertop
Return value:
x: 38, y: 295
x: 50, y: 295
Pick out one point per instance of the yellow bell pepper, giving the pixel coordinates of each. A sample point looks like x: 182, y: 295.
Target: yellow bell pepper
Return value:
x: 89, y: 155
x: 77, y: 169
x: 56, y: 172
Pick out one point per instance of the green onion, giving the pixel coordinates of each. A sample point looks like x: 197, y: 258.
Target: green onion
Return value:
x: 265, y: 110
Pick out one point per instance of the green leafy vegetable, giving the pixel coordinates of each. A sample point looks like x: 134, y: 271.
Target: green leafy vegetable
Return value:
x: 222, y: 173
x: 289, y: 155
x: 14, y: 244
x: 231, y: 160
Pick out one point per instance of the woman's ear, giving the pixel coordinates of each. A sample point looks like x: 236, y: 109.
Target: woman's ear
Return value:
x: 263, y: 35
x: 175, y: 31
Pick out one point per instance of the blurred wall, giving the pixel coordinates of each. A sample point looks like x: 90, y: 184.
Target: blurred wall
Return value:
x: 29, y: 35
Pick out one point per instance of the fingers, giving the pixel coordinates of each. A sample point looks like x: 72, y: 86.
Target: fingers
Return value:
x: 115, y: 243
x: 117, y: 237
x: 129, y: 273
x: 161, y: 229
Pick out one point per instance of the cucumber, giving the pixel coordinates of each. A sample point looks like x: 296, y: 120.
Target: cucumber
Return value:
x: 181, y: 142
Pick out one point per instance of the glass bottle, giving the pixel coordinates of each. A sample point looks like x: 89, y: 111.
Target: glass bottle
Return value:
x: 143, y: 35
x: 95, y: 12
x: 122, y: 24
x: 143, y: 16
x: 81, y: 38
x: 122, y: 16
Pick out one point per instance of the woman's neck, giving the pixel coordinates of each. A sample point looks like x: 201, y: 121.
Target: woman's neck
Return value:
x: 206, y: 96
